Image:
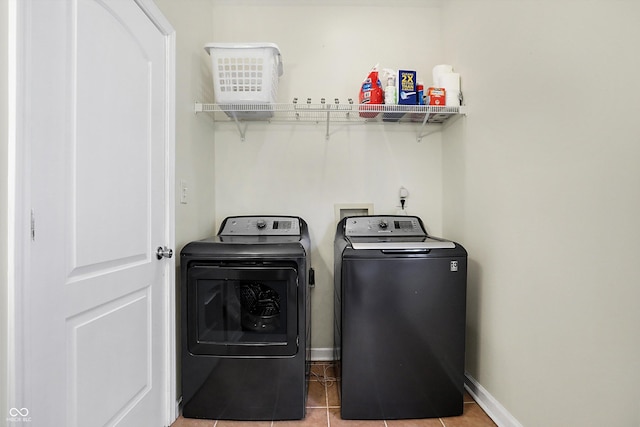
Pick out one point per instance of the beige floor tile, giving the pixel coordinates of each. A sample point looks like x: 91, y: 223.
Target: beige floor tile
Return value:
x: 331, y: 371
x: 317, y: 395
x: 315, y: 417
x: 192, y: 422
x: 473, y: 416
x: 426, y: 422
x: 318, y: 370
x: 467, y: 397
x: 228, y: 423
x: 336, y: 421
x: 333, y: 398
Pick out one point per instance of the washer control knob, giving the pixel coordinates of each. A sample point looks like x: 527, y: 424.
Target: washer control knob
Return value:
x: 261, y: 224
x: 383, y: 224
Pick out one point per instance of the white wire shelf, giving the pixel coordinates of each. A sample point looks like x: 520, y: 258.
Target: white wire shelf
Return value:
x: 243, y: 114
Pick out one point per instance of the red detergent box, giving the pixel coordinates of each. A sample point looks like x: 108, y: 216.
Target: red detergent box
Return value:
x: 407, y: 92
x: 436, y: 96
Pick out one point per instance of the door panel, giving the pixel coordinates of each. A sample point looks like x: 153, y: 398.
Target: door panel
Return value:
x: 91, y: 339
x: 113, y: 132
x: 97, y: 300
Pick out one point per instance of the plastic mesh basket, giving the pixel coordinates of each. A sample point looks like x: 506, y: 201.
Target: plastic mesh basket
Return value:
x: 245, y: 74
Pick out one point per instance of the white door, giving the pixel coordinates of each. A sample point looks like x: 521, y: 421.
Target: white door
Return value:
x: 97, y: 304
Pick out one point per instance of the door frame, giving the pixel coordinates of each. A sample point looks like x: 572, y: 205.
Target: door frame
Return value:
x: 19, y: 209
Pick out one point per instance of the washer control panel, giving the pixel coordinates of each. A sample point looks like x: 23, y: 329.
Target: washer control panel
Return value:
x: 261, y: 226
x: 399, y: 226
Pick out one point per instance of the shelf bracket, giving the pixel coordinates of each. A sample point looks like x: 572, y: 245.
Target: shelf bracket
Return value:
x: 461, y: 112
x: 326, y: 136
x: 241, y: 129
x: 422, y: 135
x: 419, y: 135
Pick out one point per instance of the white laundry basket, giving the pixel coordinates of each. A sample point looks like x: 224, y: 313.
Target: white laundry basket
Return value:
x: 245, y: 77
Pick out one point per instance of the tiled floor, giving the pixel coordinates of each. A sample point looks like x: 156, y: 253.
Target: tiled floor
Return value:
x: 323, y: 410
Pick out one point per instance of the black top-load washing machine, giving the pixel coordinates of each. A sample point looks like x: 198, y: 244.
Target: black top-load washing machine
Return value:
x: 245, y: 312
x: 400, y: 298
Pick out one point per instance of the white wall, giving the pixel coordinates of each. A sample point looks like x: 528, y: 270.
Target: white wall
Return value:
x: 542, y: 185
x: 328, y: 48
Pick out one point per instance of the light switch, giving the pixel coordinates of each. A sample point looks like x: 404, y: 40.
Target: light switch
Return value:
x: 183, y: 191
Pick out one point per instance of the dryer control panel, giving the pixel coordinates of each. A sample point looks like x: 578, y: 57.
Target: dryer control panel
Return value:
x: 261, y: 226
x: 384, y: 225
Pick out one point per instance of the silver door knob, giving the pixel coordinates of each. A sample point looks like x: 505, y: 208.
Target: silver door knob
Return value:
x: 164, y: 252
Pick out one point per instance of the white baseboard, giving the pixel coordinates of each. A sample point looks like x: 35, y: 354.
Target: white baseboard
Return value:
x: 489, y: 404
x: 322, y: 354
